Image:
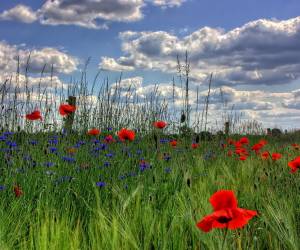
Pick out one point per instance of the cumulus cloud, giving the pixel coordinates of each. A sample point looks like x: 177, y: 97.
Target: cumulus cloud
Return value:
x: 21, y: 13
x: 61, y: 61
x: 92, y: 14
x: 259, y: 52
x: 168, y: 3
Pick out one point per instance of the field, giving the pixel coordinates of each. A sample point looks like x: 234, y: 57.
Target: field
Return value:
x: 80, y: 191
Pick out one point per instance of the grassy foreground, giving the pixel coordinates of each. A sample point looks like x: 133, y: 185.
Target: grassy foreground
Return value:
x: 80, y: 193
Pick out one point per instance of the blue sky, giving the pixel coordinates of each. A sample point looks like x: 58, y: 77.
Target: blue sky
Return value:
x: 260, y: 60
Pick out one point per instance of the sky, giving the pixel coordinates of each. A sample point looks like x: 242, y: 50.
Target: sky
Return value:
x: 252, y: 48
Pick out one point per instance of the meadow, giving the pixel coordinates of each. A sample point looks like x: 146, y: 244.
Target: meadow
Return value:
x: 84, y: 186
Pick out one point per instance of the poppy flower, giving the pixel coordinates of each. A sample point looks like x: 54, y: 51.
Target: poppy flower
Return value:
x: 195, y: 145
x: 294, y: 164
x: 35, y: 115
x: 230, y: 141
x: 65, y: 109
x: 109, y: 138
x: 226, y: 213
x: 160, y: 124
x: 173, y: 143
x: 296, y: 146
x: 265, y: 155
x: 244, y: 140
x: 229, y: 153
x: 243, y: 157
x: 276, y: 156
x: 93, y: 131
x: 18, y: 191
x: 126, y: 134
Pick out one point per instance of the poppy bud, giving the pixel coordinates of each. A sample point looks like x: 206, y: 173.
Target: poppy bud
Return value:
x: 188, y: 182
x: 182, y: 119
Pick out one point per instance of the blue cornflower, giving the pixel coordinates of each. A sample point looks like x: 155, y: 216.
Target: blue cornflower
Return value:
x: 100, y: 184
x: 109, y: 155
x: 106, y: 164
x: 53, y: 149
x: 2, y: 188
x: 11, y: 144
x: 144, y: 165
x: 167, y: 170
x: 8, y: 133
x: 3, y: 138
x: 48, y: 164
x: 68, y: 159
x: 32, y: 142
x: 53, y: 141
x: 139, y: 151
x: 164, y: 140
x: 109, y: 128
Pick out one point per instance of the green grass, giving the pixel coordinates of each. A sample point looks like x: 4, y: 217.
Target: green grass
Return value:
x: 152, y: 210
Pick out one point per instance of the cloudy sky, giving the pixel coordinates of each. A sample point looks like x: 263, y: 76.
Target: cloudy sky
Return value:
x: 252, y: 47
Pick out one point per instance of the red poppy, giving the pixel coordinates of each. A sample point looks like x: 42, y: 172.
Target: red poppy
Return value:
x: 263, y: 142
x: 243, y: 157
x: 173, y: 143
x: 226, y: 213
x: 35, y: 115
x: 93, y: 131
x: 18, y: 191
x: 276, y: 156
x: 126, y: 134
x: 109, y: 138
x: 244, y: 140
x: 294, y: 164
x: 195, y: 145
x: 241, y: 151
x: 65, y: 109
x: 229, y: 153
x: 160, y: 124
x: 265, y: 155
x: 296, y: 146
x: 230, y: 141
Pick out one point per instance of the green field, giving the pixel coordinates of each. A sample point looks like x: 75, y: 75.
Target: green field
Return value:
x: 79, y: 192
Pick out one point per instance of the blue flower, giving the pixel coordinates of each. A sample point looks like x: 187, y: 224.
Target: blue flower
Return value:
x: 8, y: 133
x: 110, y: 155
x: 53, y: 141
x: 53, y: 149
x: 68, y: 159
x: 106, y: 164
x: 3, y: 138
x: 167, y: 170
x: 2, y: 188
x: 48, y: 164
x: 100, y: 184
x: 11, y: 144
x: 32, y: 142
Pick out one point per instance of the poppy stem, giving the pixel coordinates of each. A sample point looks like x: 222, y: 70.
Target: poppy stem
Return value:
x: 224, y: 238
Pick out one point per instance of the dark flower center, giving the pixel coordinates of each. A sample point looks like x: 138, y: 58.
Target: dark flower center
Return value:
x: 224, y: 219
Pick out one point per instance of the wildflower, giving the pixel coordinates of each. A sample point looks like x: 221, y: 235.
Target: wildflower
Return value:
x: 71, y: 150
x: 265, y: 155
x: 93, y: 131
x: 276, y: 156
x: 32, y: 142
x: 66, y: 109
x: 244, y: 140
x: 226, y: 213
x: 109, y: 138
x: 2, y: 188
x: 68, y: 159
x: 144, y: 165
x: 168, y: 170
x: 243, y: 157
x: 18, y: 191
x: 100, y: 184
x: 35, y: 115
x: 160, y: 124
x: 229, y: 153
x: 195, y: 145
x: 294, y: 164
x: 48, y: 164
x: 126, y: 134
x: 53, y: 150
x: 173, y: 143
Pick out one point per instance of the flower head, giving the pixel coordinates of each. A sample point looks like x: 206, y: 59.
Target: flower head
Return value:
x: 35, y: 115
x: 226, y: 213
x: 294, y: 164
x: 126, y: 134
x: 66, y: 109
x: 93, y: 131
x: 160, y: 124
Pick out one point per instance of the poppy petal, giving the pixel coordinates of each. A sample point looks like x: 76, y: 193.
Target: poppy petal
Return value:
x: 223, y: 199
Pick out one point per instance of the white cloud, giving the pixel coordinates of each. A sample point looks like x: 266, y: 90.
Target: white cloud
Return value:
x: 61, y: 61
x: 260, y: 52
x: 168, y: 3
x: 21, y: 13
